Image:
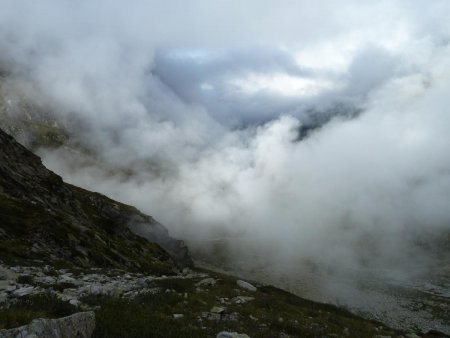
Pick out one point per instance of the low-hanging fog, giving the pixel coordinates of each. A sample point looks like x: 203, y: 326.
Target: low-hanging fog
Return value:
x: 274, y: 133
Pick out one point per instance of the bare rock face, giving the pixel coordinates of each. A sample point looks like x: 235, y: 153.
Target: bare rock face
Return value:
x: 78, y: 325
x: 155, y: 232
x: 55, y: 221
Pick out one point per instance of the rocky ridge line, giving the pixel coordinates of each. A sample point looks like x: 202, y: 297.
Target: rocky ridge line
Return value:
x: 45, y: 219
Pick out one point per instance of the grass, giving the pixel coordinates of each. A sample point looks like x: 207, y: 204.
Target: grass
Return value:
x: 27, y: 308
x: 276, y: 311
x: 45, y: 219
x: 79, y: 217
x: 129, y: 319
x: 272, y: 312
x: 107, y: 241
x: 177, y: 284
x: 47, y: 136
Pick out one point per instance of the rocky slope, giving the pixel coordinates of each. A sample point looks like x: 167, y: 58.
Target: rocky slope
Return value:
x: 44, y: 219
x: 78, y: 325
x: 192, y: 303
x: 65, y: 250
x: 30, y: 123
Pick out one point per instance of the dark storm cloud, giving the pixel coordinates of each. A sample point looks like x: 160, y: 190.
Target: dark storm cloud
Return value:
x: 200, y: 77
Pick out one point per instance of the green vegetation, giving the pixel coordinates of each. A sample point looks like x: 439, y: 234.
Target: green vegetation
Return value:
x: 27, y: 308
x: 47, y: 222
x: 106, y: 243
x: 145, y: 317
x: 271, y: 312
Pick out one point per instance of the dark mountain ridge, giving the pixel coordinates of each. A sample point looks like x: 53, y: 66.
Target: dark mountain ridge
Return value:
x: 43, y: 218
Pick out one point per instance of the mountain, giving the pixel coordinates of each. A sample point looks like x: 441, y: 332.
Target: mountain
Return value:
x: 45, y: 219
x: 64, y: 249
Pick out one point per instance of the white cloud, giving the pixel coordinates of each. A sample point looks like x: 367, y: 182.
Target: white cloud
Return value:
x: 279, y: 84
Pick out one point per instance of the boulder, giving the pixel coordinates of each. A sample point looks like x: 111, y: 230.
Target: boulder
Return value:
x: 206, y: 282
x: 225, y: 334
x: 23, y: 291
x: 241, y: 299
x: 246, y: 285
x: 78, y: 325
x: 217, y: 309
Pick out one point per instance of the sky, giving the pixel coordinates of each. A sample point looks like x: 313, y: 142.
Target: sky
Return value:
x: 274, y: 133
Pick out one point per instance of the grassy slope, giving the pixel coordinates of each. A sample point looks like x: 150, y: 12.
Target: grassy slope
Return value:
x: 30, y: 234
x: 271, y: 313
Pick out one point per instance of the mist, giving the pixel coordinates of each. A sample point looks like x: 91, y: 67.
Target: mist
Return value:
x: 194, y: 114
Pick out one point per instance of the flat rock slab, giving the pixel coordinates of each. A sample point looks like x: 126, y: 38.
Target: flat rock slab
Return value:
x: 23, y: 291
x: 225, y: 334
x: 217, y: 309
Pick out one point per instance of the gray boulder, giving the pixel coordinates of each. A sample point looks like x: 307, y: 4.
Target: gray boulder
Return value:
x: 23, y: 291
x: 206, y: 282
x: 78, y: 325
x: 241, y: 299
x: 225, y: 334
x: 246, y: 285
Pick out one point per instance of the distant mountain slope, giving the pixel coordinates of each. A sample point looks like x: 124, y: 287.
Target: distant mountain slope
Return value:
x: 44, y: 219
x: 26, y: 120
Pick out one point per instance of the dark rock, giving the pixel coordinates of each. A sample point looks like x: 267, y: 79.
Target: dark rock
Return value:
x: 155, y: 232
x: 61, y: 222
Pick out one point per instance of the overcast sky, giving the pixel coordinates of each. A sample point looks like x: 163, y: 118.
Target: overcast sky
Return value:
x: 242, y: 62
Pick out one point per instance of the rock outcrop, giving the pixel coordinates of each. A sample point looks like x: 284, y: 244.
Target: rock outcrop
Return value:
x: 45, y: 219
x: 146, y: 227
x: 78, y: 325
x: 189, y: 304
x: 30, y: 123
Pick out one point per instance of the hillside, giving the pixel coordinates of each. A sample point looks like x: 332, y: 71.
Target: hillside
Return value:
x: 65, y: 249
x: 47, y: 220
